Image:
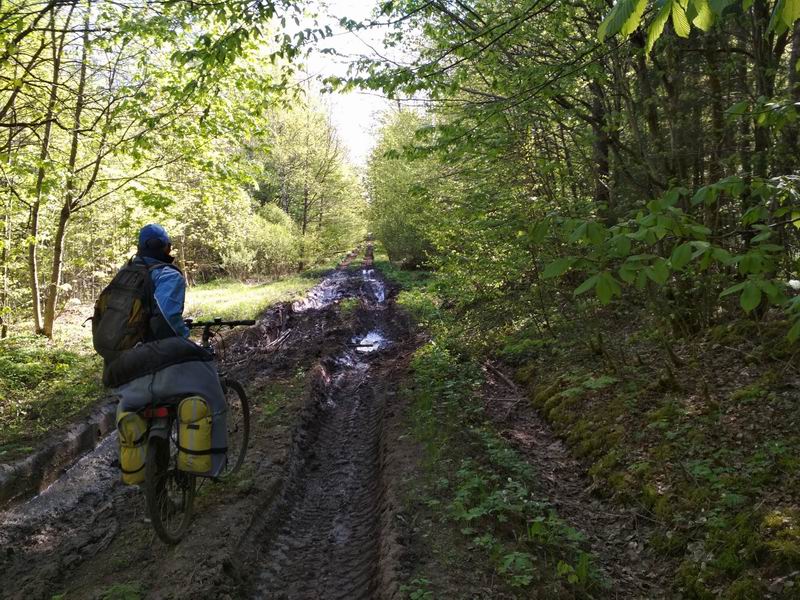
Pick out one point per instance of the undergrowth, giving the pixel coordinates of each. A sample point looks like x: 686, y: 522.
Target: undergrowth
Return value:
x: 486, y: 489
x: 42, y: 386
x: 705, y: 447
x: 698, y: 434
x: 475, y: 481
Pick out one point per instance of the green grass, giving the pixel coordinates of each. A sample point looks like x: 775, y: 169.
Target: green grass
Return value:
x: 43, y: 384
x: 236, y: 300
x: 418, y: 295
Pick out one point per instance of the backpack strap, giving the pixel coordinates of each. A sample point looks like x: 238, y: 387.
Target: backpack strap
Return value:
x: 149, y: 290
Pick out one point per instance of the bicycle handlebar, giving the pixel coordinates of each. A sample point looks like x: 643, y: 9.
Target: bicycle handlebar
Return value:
x: 217, y: 322
x: 192, y: 324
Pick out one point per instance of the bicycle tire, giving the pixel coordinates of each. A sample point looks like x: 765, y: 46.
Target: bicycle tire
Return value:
x: 238, y: 424
x: 169, y: 518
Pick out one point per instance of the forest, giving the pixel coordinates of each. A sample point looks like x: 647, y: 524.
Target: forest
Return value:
x: 588, y: 214
x: 119, y: 113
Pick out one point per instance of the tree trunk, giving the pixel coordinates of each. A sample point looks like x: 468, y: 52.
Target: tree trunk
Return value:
x: 35, y: 209
x: 791, y: 131
x: 600, y: 150
x: 305, y: 207
x: 6, y: 280
x: 70, y: 194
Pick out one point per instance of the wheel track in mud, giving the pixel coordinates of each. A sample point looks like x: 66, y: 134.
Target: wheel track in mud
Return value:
x: 328, y: 546
x: 322, y: 539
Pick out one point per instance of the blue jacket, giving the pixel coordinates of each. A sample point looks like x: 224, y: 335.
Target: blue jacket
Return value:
x: 169, y: 289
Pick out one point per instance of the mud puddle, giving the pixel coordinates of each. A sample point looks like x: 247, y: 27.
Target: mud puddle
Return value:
x: 375, y: 288
x: 371, y: 342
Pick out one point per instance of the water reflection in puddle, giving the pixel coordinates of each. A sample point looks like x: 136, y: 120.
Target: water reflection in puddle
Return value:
x: 376, y: 287
x: 371, y: 342
x: 322, y: 295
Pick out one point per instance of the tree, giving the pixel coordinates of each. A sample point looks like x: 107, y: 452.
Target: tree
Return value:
x: 99, y: 97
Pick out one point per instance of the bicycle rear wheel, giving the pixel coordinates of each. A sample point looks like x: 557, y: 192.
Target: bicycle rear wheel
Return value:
x: 169, y: 492
x: 238, y: 424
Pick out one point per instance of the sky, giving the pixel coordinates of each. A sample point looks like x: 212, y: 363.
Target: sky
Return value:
x: 354, y: 114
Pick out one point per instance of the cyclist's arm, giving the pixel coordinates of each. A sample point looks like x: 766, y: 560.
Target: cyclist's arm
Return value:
x: 170, y: 293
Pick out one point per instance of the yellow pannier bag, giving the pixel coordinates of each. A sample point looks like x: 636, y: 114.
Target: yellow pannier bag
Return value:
x: 132, y: 446
x: 194, y: 435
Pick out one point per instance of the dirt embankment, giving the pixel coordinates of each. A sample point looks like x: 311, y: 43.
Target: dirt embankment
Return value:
x: 310, y: 514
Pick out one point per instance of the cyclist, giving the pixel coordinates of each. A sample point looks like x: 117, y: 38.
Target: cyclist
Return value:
x: 165, y: 365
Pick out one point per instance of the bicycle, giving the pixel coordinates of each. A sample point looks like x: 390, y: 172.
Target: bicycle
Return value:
x: 169, y: 492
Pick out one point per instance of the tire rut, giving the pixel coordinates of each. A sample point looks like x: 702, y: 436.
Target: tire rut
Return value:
x: 328, y: 545
x: 310, y: 521
x: 323, y: 538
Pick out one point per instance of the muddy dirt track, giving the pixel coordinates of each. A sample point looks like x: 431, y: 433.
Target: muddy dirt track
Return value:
x: 308, y: 517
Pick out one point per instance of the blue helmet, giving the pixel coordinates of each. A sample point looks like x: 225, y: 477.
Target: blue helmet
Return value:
x: 153, y: 237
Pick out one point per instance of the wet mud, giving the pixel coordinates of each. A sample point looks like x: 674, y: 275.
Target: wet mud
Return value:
x: 323, y: 538
x: 307, y: 518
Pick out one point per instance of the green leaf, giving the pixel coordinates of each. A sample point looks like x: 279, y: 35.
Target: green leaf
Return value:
x: 538, y: 232
x: 681, y: 256
x: 752, y: 262
x: 586, y: 285
x: 659, y: 271
x: 751, y: 296
x: 679, y: 21
x: 706, y: 194
x: 777, y: 13
x: 794, y: 332
x: 791, y: 12
x: 705, y: 262
x: 622, y: 244
x: 700, y: 247
x: 579, y: 232
x: 723, y: 256
x: 617, y: 17
x: 603, y: 291
x: 595, y: 232
x: 733, y: 289
x: 607, y: 287
x: 772, y: 292
x: 738, y: 109
x: 558, y: 267
x: 627, y: 274
x: 636, y: 17
x: 656, y: 27
x: 785, y: 13
x: 765, y: 234
x: 719, y: 6
x: 705, y: 17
